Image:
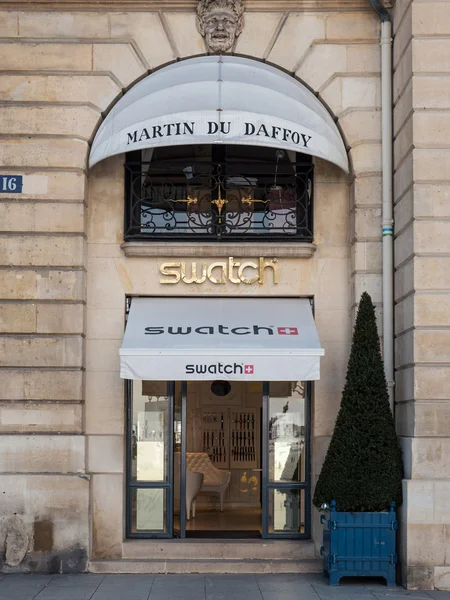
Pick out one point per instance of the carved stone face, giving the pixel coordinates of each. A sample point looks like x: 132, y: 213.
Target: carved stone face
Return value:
x: 221, y: 28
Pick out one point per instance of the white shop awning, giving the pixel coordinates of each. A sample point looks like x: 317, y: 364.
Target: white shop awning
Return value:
x: 254, y: 339
x: 220, y: 99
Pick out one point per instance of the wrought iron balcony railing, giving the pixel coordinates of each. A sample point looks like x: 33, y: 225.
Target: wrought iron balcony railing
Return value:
x: 219, y: 201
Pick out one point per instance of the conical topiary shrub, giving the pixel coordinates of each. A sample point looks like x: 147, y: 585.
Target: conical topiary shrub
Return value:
x: 363, y: 468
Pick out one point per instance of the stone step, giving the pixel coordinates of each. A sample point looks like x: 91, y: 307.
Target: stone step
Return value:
x: 294, y: 550
x: 204, y: 566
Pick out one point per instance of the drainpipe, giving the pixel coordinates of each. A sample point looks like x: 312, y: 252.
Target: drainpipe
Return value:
x: 387, y: 221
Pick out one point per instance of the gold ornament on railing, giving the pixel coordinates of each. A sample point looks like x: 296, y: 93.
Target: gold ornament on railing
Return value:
x: 189, y: 200
x: 220, y: 202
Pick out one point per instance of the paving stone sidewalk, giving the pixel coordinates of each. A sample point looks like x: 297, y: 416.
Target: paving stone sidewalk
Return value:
x: 198, y: 587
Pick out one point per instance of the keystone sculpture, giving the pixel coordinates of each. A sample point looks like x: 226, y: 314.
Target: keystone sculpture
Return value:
x: 220, y: 22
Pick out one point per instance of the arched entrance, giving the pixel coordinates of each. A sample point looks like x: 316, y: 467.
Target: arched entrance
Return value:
x: 219, y: 110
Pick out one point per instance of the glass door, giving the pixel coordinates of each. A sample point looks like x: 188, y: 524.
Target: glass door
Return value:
x: 286, y: 460
x: 150, y: 406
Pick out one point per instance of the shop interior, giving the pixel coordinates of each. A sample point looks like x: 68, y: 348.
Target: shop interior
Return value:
x: 224, y: 445
x: 224, y: 442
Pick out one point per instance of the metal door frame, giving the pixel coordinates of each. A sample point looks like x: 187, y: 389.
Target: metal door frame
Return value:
x: 267, y: 485
x: 166, y: 485
x: 181, y: 533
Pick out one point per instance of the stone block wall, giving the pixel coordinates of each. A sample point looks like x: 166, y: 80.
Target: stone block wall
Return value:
x: 62, y: 300
x: 422, y: 284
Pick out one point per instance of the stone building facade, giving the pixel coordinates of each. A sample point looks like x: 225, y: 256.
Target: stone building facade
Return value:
x: 65, y: 270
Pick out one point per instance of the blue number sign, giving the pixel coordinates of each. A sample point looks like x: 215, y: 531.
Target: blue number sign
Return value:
x: 11, y: 184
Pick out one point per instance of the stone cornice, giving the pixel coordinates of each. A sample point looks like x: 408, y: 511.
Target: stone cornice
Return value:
x: 208, y: 250
x: 169, y: 5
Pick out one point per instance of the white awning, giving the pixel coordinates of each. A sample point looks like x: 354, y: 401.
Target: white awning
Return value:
x: 220, y: 99
x: 254, y: 339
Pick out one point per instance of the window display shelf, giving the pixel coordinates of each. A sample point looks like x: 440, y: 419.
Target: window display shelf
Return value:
x: 231, y: 438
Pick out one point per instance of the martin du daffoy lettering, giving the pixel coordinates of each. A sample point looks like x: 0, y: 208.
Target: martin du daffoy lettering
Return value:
x: 213, y: 128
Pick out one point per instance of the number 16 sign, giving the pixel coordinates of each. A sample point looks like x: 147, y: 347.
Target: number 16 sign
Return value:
x: 11, y: 184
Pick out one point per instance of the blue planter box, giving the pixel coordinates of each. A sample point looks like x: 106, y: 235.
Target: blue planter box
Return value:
x: 359, y: 544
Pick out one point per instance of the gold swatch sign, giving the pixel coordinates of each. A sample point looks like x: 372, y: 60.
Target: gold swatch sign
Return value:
x: 220, y: 272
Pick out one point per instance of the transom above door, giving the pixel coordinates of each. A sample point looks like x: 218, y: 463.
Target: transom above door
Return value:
x: 218, y: 192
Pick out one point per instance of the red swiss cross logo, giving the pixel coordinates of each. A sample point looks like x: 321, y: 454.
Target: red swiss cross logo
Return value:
x: 287, y: 331
x: 249, y: 369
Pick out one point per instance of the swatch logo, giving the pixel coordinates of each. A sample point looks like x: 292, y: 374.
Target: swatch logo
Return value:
x: 222, y: 330
x: 220, y: 368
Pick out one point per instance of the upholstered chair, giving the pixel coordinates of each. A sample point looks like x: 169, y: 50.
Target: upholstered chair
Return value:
x: 216, y: 481
x: 194, y: 482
